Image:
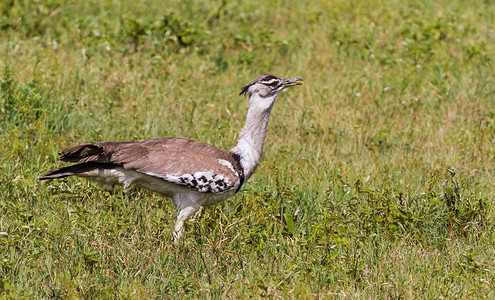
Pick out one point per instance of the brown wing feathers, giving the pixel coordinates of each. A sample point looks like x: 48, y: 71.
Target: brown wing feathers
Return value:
x: 158, y: 157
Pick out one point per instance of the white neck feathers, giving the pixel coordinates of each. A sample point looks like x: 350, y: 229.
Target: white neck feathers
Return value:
x: 252, y: 137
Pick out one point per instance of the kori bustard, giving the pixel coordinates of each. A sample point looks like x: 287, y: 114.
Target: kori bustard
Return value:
x: 192, y: 173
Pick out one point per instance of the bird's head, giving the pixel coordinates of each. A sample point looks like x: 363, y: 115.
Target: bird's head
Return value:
x: 268, y: 86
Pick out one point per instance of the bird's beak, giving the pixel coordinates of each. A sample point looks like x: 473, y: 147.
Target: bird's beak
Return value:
x: 292, y: 81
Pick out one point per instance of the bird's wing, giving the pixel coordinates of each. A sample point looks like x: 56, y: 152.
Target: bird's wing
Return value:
x: 185, y: 162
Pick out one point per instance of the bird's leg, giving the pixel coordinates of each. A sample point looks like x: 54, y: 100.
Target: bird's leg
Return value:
x: 186, y: 205
x: 183, y: 215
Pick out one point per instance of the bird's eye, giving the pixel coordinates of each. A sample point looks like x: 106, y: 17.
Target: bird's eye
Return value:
x: 274, y: 84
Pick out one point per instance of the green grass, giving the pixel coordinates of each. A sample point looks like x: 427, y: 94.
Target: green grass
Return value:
x: 378, y: 173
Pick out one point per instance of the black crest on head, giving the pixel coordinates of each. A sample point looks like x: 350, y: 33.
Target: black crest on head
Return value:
x: 265, y: 77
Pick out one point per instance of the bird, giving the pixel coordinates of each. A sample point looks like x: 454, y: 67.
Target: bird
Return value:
x: 192, y: 173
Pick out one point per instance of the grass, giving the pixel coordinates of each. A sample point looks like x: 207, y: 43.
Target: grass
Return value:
x: 377, y: 179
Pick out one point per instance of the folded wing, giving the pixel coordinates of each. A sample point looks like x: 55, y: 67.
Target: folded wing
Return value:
x: 184, y: 162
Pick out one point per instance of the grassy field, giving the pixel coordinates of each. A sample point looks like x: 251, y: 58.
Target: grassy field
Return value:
x: 378, y: 173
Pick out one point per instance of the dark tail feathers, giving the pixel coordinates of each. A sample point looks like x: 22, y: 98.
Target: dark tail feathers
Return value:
x: 81, y: 153
x: 74, y: 170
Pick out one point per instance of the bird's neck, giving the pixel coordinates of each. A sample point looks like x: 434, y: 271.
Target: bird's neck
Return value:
x: 252, y: 137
